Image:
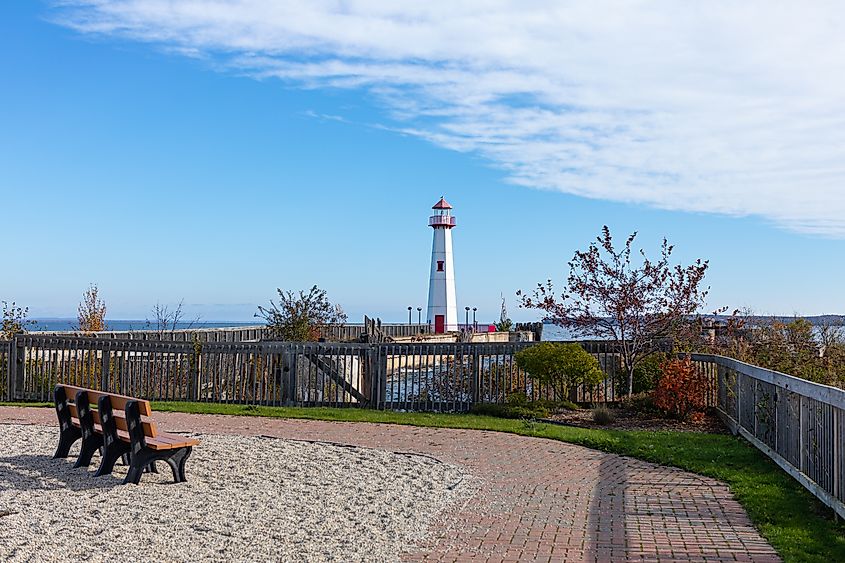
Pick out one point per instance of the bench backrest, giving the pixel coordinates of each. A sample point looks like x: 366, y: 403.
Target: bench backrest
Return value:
x: 118, y: 404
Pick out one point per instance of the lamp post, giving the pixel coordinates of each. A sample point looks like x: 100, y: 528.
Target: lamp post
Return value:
x: 474, y: 322
x: 466, y: 322
x: 419, y: 315
x: 409, y: 314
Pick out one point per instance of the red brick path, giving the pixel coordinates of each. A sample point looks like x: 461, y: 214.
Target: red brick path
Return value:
x: 539, y: 500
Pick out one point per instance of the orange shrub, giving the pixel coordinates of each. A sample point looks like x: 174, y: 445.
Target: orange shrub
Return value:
x: 681, y: 390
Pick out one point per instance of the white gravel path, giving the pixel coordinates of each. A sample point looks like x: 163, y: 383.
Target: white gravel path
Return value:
x: 246, y: 499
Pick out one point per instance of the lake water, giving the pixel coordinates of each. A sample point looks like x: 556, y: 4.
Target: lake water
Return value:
x: 122, y: 325
x: 554, y: 332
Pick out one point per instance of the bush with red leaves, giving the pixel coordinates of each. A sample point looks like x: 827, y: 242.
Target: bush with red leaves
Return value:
x: 681, y: 390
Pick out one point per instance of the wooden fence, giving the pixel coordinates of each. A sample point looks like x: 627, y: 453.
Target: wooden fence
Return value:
x: 419, y: 376
x: 797, y: 423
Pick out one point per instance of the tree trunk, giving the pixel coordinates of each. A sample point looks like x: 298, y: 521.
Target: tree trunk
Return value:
x: 630, y: 370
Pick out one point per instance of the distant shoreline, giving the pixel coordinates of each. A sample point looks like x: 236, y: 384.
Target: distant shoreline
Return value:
x: 64, y: 325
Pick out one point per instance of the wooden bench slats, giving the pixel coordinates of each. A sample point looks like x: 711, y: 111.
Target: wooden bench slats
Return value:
x: 160, y: 442
x: 172, y: 441
x: 119, y: 420
x: 122, y: 434
x: 118, y: 401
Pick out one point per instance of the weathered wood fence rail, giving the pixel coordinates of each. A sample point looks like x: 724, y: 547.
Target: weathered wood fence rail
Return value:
x: 797, y: 423
x: 418, y: 376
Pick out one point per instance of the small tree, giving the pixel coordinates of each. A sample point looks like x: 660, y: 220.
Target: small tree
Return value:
x: 301, y: 316
x: 167, y: 320
x: 91, y: 313
x: 15, y: 320
x: 563, y: 366
x: 504, y: 324
x: 609, y: 297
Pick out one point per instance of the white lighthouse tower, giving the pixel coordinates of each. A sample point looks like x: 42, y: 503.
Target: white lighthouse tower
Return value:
x: 442, y: 305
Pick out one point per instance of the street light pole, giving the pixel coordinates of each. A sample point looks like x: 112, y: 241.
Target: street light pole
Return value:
x: 409, y: 314
x: 474, y: 322
x: 419, y: 315
x: 466, y: 322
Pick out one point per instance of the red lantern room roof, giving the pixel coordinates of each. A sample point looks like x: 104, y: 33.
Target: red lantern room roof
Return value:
x: 442, y: 204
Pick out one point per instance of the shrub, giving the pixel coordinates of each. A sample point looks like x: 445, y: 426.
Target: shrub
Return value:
x: 681, y: 391
x: 646, y: 374
x: 15, y: 320
x: 603, y: 416
x: 562, y: 366
x: 302, y: 316
x: 91, y: 314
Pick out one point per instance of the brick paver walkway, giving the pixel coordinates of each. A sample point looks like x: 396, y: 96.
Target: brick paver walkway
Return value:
x: 539, y: 500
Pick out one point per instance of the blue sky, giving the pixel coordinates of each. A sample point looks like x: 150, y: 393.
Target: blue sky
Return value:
x: 164, y: 166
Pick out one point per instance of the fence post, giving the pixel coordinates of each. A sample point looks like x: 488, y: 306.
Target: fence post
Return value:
x: 194, y: 375
x: 104, y: 371
x: 836, y: 461
x: 377, y: 367
x: 475, y: 387
x: 289, y: 376
x: 17, y: 353
x: 738, y: 398
x: 7, y: 365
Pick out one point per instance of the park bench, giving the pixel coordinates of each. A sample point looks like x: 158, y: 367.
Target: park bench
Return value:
x: 120, y: 427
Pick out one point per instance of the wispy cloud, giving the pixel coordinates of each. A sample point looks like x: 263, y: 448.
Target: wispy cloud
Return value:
x: 721, y: 106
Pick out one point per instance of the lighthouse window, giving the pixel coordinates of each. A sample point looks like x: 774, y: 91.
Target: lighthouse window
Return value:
x: 440, y: 265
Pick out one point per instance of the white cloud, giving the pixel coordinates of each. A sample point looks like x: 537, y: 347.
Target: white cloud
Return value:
x: 720, y: 106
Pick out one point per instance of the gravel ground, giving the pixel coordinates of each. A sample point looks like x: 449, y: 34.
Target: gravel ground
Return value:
x: 247, y: 498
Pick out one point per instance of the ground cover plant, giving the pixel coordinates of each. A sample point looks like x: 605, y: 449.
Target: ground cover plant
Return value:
x: 797, y: 525
x: 519, y: 406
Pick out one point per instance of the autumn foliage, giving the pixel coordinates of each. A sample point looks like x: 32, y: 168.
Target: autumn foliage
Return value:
x: 91, y: 313
x: 681, y: 390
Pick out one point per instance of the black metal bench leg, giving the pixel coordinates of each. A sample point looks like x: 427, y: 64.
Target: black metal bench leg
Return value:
x: 89, y: 448
x: 66, y: 439
x: 136, y: 467
x: 177, y: 464
x: 68, y: 433
x: 110, y: 457
x: 182, y: 462
x: 151, y: 468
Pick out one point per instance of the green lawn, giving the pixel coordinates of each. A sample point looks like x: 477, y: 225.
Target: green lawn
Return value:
x: 797, y: 525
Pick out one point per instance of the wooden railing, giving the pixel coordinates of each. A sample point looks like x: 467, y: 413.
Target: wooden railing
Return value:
x: 434, y: 376
x: 797, y: 423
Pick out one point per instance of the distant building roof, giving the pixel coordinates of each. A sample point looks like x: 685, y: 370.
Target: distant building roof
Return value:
x: 442, y: 204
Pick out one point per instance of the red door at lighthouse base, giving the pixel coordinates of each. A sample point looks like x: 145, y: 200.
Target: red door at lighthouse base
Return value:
x: 439, y: 324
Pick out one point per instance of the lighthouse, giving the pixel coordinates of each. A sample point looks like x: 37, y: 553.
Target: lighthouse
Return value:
x: 442, y: 305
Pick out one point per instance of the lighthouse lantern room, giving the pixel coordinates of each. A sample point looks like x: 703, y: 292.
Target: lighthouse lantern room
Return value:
x: 442, y: 305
